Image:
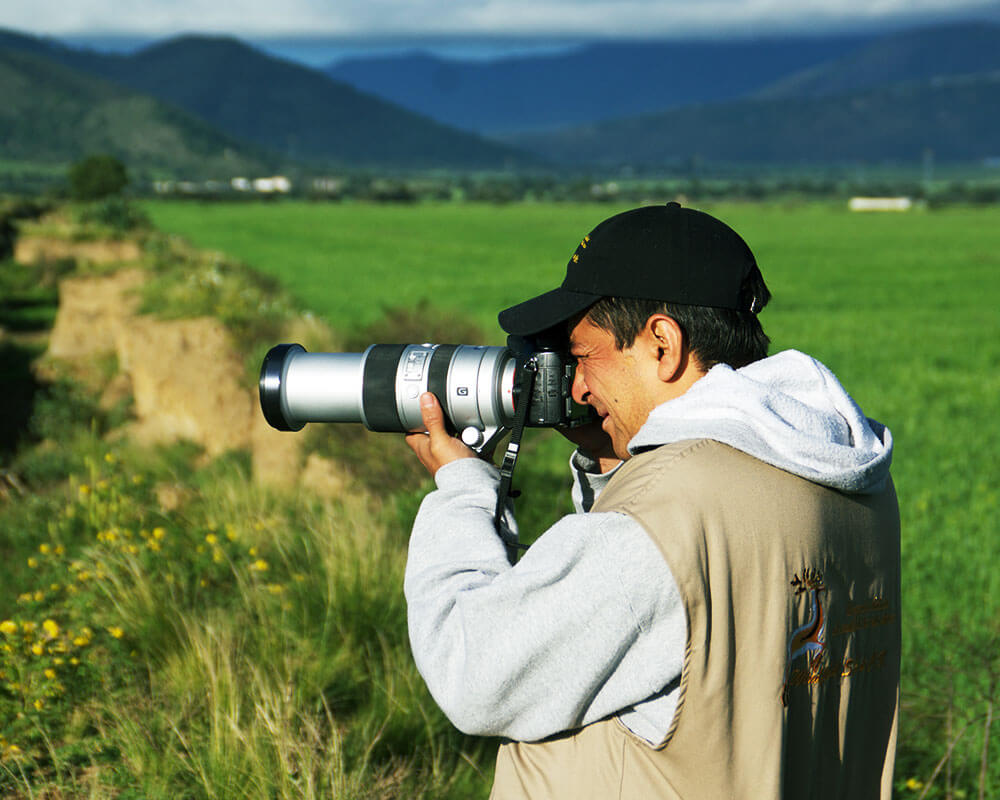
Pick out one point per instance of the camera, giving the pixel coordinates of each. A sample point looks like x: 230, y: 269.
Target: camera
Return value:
x: 480, y: 387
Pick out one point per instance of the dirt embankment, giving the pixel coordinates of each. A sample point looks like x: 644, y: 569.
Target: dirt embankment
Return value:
x: 186, y: 377
x: 38, y: 249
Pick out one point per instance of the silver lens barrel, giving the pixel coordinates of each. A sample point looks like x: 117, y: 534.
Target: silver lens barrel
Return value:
x: 382, y: 386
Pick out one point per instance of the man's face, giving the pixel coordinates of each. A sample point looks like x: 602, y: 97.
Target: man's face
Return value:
x: 621, y: 385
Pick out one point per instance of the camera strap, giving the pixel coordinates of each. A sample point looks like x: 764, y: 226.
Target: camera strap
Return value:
x: 526, y: 382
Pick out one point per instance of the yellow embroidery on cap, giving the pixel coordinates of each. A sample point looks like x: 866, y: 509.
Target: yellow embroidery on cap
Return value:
x: 576, y: 258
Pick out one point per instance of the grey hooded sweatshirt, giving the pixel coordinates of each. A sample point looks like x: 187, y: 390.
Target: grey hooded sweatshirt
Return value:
x: 590, y: 622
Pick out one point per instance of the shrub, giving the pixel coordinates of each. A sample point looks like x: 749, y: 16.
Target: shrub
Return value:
x: 97, y: 177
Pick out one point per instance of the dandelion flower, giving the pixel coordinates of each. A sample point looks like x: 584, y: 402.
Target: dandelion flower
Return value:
x: 914, y: 785
x: 115, y: 631
x: 39, y: 704
x: 32, y: 562
x: 260, y: 565
x: 50, y: 674
x: 44, y: 548
x: 81, y: 641
x: 8, y: 627
x: 38, y: 648
x: 159, y: 533
x: 51, y: 628
x: 212, y: 538
x: 84, y: 490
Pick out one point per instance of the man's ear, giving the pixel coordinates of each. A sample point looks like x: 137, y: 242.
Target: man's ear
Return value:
x: 666, y: 335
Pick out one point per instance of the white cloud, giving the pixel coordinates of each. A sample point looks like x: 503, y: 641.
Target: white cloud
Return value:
x: 414, y: 17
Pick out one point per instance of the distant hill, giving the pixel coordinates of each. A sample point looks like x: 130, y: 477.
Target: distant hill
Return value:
x: 958, y: 118
x: 291, y: 110
x: 51, y: 113
x: 920, y: 54
x: 598, y: 81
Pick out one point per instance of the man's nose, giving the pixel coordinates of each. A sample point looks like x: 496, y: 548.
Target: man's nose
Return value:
x: 579, y: 388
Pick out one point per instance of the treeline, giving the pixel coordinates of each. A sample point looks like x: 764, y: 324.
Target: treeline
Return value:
x: 980, y: 186
x: 533, y: 188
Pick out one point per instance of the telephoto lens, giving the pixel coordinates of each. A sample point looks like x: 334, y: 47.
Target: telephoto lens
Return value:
x: 381, y: 387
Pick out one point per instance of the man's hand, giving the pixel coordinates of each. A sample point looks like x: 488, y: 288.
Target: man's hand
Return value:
x: 436, y: 447
x: 594, y: 442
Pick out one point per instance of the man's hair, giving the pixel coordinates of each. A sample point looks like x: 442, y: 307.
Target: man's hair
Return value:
x: 713, y: 335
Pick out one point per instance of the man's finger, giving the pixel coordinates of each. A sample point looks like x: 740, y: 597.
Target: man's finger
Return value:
x: 432, y: 415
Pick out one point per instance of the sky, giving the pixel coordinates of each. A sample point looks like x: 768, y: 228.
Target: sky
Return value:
x: 495, y: 24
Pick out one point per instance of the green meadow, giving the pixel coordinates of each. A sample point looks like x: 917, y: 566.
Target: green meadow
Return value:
x: 248, y: 642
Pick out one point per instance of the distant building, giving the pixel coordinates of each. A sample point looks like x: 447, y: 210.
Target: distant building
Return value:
x: 880, y: 204
x: 277, y: 183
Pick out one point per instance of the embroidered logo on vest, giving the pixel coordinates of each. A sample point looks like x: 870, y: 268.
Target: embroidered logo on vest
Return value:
x: 808, y: 640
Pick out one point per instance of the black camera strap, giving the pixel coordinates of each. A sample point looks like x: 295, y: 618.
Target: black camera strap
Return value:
x: 526, y: 382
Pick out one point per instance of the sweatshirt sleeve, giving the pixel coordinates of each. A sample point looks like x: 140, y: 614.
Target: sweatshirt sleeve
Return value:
x: 588, y: 623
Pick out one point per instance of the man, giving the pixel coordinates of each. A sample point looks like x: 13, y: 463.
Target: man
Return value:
x: 723, y: 620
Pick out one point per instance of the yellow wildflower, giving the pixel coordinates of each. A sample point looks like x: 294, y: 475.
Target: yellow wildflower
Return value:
x: 260, y: 565
x: 914, y: 785
x: 8, y: 626
x: 81, y: 641
x: 44, y: 548
x: 39, y: 703
x: 59, y: 550
x: 32, y: 562
x: 115, y: 631
x: 230, y: 532
x: 159, y: 533
x: 83, y: 575
x: 275, y: 588
x: 252, y: 551
x: 74, y: 661
x: 211, y: 538
x: 38, y: 648
x: 109, y: 457
x: 28, y: 627
x: 50, y: 674
x: 39, y: 596
x: 51, y: 628
x: 54, y: 587
x: 84, y: 490
x: 217, y: 555
x: 154, y: 545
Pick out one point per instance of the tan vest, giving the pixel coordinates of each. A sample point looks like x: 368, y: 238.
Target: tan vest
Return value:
x: 791, y: 673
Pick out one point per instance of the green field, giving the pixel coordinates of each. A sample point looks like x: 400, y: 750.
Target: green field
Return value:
x: 208, y: 675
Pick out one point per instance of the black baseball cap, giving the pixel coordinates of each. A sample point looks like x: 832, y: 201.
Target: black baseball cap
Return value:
x: 667, y: 253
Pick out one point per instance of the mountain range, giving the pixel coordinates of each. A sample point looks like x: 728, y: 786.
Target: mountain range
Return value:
x: 216, y: 104
x: 260, y: 104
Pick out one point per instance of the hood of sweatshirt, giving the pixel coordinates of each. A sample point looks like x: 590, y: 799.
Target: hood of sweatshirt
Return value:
x: 787, y: 410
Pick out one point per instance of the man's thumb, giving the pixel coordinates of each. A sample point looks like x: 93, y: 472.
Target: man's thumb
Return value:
x: 431, y: 413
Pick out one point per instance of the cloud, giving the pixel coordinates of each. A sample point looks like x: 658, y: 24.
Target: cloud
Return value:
x: 492, y: 17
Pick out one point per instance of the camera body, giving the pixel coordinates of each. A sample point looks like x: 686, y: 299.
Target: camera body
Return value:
x: 479, y: 387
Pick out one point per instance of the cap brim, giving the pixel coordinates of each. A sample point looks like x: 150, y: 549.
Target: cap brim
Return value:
x: 545, y: 311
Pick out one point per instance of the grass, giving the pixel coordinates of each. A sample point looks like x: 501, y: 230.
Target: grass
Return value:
x: 222, y: 680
